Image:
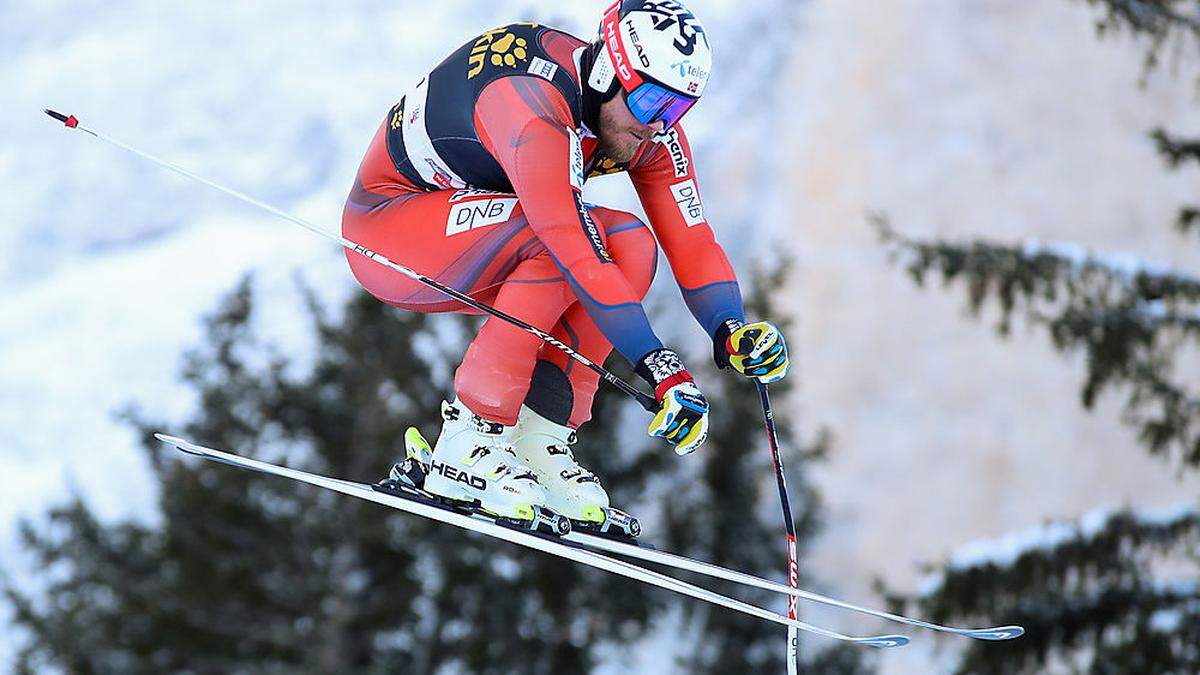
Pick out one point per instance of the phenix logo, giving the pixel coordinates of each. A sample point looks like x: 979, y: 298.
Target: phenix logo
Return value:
x: 457, y: 476
x: 670, y: 139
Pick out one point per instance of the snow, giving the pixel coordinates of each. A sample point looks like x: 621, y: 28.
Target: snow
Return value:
x: 1094, y: 521
x: 1166, y: 620
x: 1005, y: 550
x: 1123, y: 265
x: 1167, y: 516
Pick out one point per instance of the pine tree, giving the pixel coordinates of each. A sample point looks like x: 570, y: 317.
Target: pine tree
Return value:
x: 1113, y: 592
x: 1162, y: 24
x: 249, y: 573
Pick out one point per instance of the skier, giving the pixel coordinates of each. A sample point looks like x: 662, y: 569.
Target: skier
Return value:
x: 475, y: 179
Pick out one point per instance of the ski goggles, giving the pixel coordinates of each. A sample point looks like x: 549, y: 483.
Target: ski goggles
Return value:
x: 651, y: 102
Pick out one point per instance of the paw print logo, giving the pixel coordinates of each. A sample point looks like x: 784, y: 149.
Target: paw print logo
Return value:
x: 509, y: 50
x: 499, y: 48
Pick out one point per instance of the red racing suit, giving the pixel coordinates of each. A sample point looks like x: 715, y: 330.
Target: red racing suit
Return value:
x: 475, y: 178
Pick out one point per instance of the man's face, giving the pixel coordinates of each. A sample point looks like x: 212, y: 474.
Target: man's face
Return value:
x: 620, y: 133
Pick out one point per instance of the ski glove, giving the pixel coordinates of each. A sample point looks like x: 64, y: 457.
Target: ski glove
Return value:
x: 755, y: 350
x: 682, y: 418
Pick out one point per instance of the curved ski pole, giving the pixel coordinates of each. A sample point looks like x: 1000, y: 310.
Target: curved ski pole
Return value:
x: 789, y: 525
x: 645, y: 400
x: 549, y: 545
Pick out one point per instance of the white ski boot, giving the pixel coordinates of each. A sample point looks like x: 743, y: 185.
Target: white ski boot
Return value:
x: 473, y: 467
x: 545, y: 447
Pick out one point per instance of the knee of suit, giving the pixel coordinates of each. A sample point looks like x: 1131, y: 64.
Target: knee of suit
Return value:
x: 631, y: 245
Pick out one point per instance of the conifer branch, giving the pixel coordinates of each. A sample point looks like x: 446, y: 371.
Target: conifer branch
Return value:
x: 1176, y: 150
x: 1131, y: 319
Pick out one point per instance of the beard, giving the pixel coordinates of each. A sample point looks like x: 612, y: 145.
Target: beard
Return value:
x: 615, y: 139
x: 621, y: 153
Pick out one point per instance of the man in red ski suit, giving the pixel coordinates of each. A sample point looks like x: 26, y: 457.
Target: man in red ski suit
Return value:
x: 476, y: 178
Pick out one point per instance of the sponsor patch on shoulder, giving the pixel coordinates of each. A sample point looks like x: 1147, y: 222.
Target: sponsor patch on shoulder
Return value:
x: 688, y: 199
x: 474, y: 213
x: 543, y: 68
x: 670, y: 141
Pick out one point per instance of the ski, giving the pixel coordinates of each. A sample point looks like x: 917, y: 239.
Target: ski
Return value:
x: 559, y: 546
x: 648, y: 554
x: 407, y: 479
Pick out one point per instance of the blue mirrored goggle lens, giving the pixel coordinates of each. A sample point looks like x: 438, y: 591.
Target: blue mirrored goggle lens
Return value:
x: 651, y: 103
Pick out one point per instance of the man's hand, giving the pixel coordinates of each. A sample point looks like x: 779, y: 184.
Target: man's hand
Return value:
x: 755, y: 350
x: 682, y: 418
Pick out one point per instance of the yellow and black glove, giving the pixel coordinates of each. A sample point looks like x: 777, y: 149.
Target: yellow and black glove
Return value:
x: 682, y: 417
x: 755, y: 350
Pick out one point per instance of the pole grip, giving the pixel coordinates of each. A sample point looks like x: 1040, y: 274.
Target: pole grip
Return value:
x: 68, y: 120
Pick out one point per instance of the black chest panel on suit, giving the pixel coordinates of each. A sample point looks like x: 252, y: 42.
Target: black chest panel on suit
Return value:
x: 453, y: 89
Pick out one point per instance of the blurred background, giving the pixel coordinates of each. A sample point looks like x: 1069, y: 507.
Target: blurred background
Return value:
x: 980, y: 220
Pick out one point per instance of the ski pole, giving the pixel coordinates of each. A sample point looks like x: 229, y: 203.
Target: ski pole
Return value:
x: 793, y: 576
x: 645, y: 400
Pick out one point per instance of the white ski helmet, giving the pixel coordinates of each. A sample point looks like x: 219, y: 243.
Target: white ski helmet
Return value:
x: 655, y: 51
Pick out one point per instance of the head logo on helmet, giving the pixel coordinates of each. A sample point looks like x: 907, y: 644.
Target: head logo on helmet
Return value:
x: 658, y: 53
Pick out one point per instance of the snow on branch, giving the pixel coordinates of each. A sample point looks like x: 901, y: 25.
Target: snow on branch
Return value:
x: 1132, y: 318
x: 1036, y: 270
x: 1114, y: 591
x: 1126, y: 267
x: 1005, y: 550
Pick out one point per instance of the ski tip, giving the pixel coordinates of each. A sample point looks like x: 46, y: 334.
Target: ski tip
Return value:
x: 68, y: 120
x: 999, y: 633
x: 176, y: 441
x: 886, y: 641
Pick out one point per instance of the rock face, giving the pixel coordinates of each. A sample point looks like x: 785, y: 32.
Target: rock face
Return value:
x: 999, y: 119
